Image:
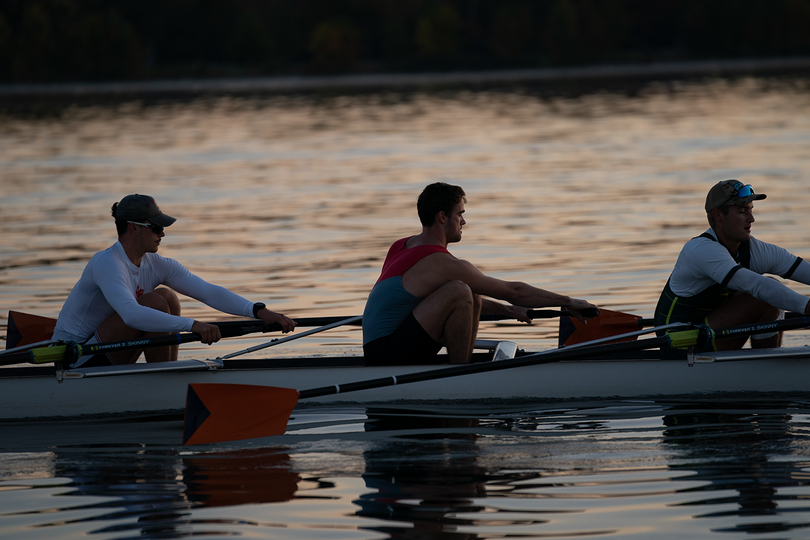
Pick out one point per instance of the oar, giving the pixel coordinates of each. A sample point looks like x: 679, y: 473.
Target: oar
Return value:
x: 229, y: 412
x: 609, y: 323
x: 544, y: 314
x: 69, y: 352
x: 26, y: 329
x: 275, y: 342
x: 218, y: 412
x: 792, y: 321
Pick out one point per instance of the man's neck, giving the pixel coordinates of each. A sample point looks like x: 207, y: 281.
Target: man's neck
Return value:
x: 428, y: 237
x: 134, y: 254
x: 732, y: 246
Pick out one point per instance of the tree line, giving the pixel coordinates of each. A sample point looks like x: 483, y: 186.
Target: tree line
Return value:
x: 85, y: 40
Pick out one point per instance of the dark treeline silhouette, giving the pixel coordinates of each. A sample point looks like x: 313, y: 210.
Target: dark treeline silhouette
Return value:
x: 84, y: 40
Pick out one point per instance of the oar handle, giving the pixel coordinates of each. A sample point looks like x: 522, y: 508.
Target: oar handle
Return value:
x: 544, y: 314
x: 325, y: 321
x: 301, y: 322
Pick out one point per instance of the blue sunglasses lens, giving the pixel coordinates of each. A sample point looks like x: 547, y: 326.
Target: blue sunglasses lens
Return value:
x: 745, y: 191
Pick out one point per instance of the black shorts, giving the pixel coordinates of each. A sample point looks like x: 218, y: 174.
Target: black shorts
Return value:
x: 408, y: 345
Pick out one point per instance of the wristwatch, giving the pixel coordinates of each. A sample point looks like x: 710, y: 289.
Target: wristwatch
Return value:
x: 258, y: 306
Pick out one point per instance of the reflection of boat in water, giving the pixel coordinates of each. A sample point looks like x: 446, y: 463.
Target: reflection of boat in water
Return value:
x: 157, y: 492
x: 417, y: 498
x: 737, y: 452
x: 458, y: 472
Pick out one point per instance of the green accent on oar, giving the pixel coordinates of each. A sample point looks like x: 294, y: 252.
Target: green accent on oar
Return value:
x: 71, y: 351
x: 611, y: 323
x: 702, y: 336
x: 684, y: 339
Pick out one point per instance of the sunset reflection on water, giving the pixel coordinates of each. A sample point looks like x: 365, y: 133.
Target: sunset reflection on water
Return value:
x: 295, y: 200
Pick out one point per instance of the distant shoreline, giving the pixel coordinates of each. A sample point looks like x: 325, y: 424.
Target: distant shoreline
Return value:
x: 401, y: 81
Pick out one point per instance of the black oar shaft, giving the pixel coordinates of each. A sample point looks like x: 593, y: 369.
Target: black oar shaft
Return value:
x: 549, y: 356
x: 792, y: 323
x: 302, y: 322
x: 235, y: 328
x: 483, y: 367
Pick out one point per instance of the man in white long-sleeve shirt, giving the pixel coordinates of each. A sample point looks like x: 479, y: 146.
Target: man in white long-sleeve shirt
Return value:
x: 117, y: 297
x: 718, y: 279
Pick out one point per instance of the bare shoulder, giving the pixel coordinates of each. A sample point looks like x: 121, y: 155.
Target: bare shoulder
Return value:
x: 452, y: 267
x: 442, y: 265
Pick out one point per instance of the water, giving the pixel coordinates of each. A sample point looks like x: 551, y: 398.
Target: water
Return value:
x: 294, y: 200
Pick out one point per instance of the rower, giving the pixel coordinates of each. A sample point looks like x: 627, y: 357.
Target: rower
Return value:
x: 426, y: 298
x: 718, y: 278
x: 118, y: 297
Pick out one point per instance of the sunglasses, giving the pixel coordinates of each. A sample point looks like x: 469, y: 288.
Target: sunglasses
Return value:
x: 740, y: 191
x: 155, y: 228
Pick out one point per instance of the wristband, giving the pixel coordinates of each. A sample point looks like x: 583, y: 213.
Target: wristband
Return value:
x: 257, y: 307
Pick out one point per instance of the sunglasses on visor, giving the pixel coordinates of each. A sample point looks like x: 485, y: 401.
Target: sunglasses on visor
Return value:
x: 740, y: 191
x: 155, y: 228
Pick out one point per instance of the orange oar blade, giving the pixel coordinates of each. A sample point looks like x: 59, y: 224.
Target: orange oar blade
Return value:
x: 24, y: 329
x: 232, y: 412
x: 608, y: 323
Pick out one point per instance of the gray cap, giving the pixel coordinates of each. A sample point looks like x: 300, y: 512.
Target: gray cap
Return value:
x: 728, y: 192
x: 141, y: 208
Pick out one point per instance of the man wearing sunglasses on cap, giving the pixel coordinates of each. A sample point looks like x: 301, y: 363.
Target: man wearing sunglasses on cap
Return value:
x: 117, y: 297
x: 718, y: 278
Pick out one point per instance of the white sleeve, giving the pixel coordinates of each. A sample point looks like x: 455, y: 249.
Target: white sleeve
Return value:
x: 771, y: 259
x: 219, y: 298
x: 701, y: 264
x: 768, y: 290
x: 113, y: 281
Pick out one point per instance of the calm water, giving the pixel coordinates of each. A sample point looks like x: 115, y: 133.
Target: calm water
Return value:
x: 294, y: 201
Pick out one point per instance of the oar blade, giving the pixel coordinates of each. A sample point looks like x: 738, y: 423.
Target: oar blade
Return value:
x: 25, y: 329
x: 231, y: 412
x: 608, y: 323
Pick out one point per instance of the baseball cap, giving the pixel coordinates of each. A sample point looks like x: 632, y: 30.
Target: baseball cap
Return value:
x: 141, y: 208
x: 731, y: 192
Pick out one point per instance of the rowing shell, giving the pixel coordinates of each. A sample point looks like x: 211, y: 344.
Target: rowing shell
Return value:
x: 33, y: 392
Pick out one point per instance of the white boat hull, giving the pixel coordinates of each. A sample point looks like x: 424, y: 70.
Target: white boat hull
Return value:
x: 40, y: 396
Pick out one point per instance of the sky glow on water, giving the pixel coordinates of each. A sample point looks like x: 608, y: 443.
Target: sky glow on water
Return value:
x: 295, y: 200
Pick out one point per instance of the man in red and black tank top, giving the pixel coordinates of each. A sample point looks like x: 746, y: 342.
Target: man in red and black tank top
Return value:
x: 426, y: 298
